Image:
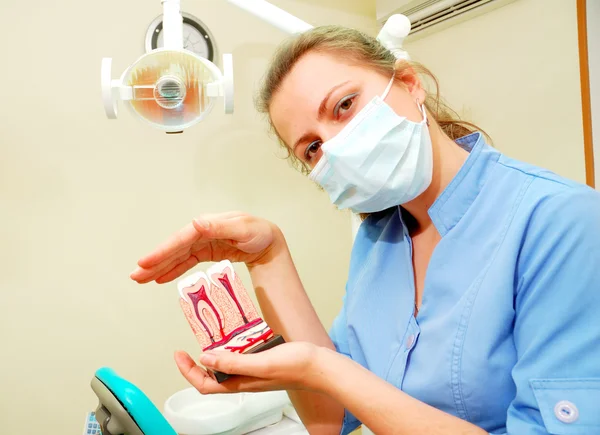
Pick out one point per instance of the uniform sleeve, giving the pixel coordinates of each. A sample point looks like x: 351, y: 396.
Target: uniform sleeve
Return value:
x: 557, y: 321
x: 339, y: 336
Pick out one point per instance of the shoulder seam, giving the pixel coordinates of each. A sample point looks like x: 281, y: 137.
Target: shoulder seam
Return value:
x: 534, y: 175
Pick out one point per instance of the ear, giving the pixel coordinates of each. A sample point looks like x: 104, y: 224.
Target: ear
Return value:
x: 410, y: 79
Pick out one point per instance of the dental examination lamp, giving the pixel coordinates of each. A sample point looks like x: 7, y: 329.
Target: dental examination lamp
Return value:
x: 172, y: 88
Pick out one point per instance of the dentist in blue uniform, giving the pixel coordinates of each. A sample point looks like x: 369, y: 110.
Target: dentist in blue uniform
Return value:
x: 473, y: 299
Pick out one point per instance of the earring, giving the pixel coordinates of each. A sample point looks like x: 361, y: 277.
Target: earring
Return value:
x: 423, y: 111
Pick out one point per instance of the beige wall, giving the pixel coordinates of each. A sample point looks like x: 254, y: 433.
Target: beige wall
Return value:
x: 386, y: 7
x: 515, y: 72
x: 82, y: 198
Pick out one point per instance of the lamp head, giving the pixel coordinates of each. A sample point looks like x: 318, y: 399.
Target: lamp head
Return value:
x: 170, y: 89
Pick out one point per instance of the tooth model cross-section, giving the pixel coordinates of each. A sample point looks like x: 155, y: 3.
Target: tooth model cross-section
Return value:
x: 222, y: 314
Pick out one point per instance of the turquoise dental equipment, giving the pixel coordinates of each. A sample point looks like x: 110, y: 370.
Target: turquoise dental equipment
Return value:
x: 124, y: 409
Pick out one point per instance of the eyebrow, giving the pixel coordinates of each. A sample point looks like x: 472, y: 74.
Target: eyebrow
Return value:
x: 323, y: 106
x: 320, y: 113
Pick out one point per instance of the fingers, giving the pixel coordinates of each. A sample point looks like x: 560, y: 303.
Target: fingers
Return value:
x: 174, y: 244
x: 177, y: 271
x: 205, y: 384
x: 254, y: 365
x: 195, y: 375
x: 207, y: 225
x: 195, y: 243
x: 184, y: 256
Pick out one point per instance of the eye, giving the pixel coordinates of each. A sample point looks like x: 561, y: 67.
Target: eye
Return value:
x: 311, y: 150
x: 344, y: 105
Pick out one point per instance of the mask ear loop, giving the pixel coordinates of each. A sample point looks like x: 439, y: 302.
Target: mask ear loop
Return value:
x: 389, y: 87
x: 419, y: 105
x: 423, y: 111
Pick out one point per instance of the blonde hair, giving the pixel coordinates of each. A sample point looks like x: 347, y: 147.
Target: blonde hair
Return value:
x: 361, y: 49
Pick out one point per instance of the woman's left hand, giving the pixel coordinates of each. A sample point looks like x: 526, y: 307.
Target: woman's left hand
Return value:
x: 289, y: 366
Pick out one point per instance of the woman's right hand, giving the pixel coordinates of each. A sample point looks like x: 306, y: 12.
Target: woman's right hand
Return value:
x: 232, y: 236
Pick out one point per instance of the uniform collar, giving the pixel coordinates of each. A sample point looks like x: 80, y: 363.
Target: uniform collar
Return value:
x: 457, y: 197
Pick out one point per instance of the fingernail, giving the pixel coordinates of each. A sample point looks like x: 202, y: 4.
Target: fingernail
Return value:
x: 203, y: 223
x: 208, y: 359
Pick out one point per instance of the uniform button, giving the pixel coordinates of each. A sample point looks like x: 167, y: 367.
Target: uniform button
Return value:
x: 566, y: 411
x: 410, y: 341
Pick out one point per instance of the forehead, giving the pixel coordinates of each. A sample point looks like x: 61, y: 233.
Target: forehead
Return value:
x: 295, y: 105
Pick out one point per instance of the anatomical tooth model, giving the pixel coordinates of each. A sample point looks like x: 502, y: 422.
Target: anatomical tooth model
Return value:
x: 222, y: 315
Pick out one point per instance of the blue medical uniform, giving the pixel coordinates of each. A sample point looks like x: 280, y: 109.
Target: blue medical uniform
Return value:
x: 508, y: 333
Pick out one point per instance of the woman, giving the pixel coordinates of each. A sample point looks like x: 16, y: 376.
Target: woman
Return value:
x: 472, y: 299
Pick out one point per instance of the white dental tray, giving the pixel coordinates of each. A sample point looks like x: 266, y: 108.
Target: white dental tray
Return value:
x: 191, y: 413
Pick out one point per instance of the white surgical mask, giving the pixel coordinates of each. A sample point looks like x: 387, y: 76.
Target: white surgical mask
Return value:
x: 379, y: 159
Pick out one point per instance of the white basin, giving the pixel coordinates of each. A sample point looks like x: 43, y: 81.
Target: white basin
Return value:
x: 191, y: 413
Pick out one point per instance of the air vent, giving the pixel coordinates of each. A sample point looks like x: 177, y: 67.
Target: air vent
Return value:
x: 424, y: 14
